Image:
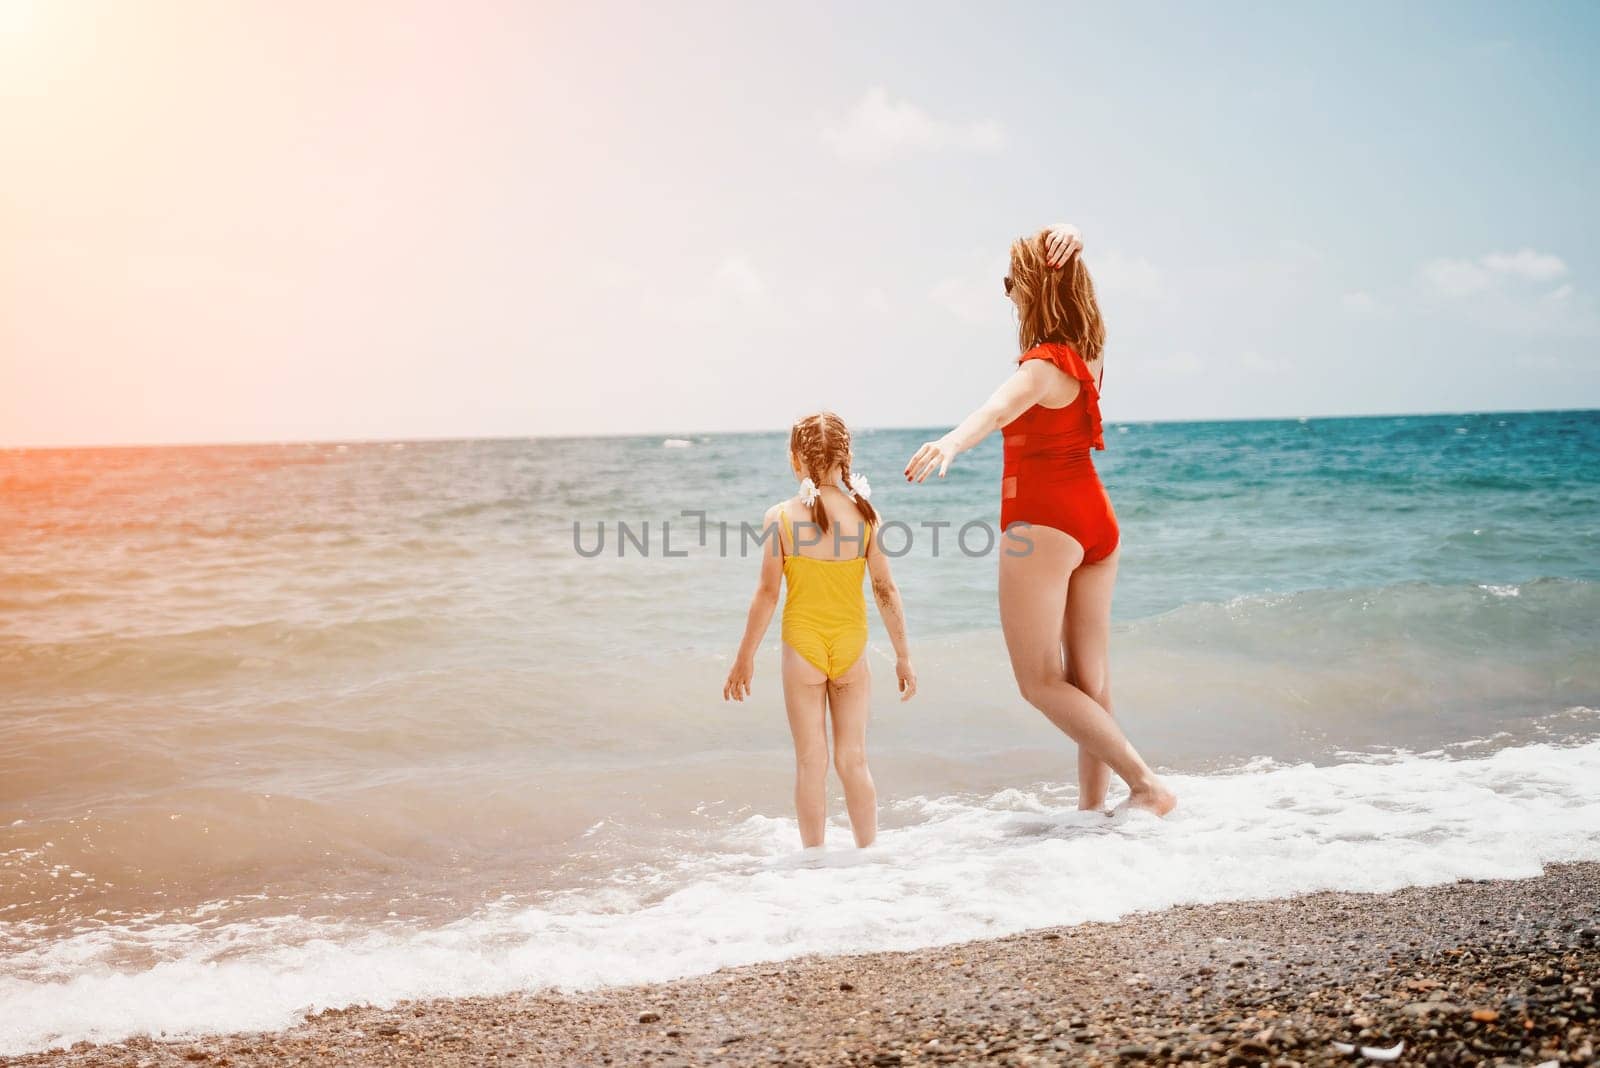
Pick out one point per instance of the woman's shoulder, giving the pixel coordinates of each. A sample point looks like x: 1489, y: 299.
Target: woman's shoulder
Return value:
x: 1061, y: 355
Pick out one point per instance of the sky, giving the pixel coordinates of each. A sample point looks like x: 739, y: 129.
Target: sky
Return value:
x: 268, y: 221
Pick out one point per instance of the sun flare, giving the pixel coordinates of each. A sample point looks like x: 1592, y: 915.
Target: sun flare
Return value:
x: 16, y: 16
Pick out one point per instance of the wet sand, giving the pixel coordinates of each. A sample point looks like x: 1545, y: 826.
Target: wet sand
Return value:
x: 1489, y: 972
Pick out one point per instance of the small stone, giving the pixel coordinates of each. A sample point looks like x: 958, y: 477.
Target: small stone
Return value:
x: 1485, y: 1015
x: 847, y: 986
x: 649, y: 1017
x: 1133, y: 1053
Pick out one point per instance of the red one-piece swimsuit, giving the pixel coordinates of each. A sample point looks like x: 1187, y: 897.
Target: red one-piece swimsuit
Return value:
x: 1049, y: 479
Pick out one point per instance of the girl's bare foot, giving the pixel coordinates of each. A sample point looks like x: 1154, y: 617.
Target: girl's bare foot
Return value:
x: 1154, y: 798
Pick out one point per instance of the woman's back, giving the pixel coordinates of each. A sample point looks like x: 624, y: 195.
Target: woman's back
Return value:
x: 1070, y: 430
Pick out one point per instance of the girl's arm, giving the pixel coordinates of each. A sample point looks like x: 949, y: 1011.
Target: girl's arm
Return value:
x: 1020, y: 392
x: 762, y: 605
x: 893, y: 613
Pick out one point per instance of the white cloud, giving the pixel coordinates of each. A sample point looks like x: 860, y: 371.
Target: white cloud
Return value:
x: 1455, y: 278
x: 1526, y: 263
x: 1463, y: 278
x: 1510, y: 292
x: 1359, y: 301
x: 879, y: 128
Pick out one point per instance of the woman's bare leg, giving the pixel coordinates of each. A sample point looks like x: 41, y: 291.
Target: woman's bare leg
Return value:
x: 1033, y: 601
x: 1086, y: 638
x: 850, y: 700
x: 805, y: 697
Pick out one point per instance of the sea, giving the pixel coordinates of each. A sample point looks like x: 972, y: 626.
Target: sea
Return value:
x: 293, y: 726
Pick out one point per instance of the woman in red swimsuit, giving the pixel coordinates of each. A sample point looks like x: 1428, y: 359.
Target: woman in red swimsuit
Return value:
x: 1057, y: 571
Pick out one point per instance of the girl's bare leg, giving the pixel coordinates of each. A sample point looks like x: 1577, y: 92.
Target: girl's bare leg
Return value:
x: 805, y: 697
x: 1033, y: 601
x: 1086, y: 640
x: 850, y: 700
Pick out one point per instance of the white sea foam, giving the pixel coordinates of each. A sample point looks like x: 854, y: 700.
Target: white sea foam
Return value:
x: 951, y: 869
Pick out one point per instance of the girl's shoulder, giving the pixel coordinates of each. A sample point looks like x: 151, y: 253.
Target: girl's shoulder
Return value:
x: 777, y: 513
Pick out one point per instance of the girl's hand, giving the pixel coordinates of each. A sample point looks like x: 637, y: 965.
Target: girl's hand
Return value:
x: 737, y: 688
x: 906, y: 676
x: 934, y: 456
x: 1063, y: 243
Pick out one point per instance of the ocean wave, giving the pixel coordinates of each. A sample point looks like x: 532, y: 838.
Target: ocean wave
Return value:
x: 1476, y: 615
x: 952, y: 868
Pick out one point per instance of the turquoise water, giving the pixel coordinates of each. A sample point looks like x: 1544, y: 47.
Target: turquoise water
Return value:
x: 343, y: 722
x: 1209, y: 511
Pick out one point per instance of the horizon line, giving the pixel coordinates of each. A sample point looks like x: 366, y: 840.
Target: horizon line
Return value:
x: 679, y: 433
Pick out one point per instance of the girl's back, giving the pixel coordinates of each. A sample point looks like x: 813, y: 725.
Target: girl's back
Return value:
x: 847, y: 533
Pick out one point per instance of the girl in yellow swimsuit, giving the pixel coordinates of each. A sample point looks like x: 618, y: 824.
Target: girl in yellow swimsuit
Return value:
x: 820, y: 543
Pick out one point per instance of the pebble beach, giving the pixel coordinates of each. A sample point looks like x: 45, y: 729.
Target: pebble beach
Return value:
x: 1488, y: 972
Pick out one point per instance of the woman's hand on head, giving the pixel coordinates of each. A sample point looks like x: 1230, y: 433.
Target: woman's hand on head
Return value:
x: 933, y: 456
x: 1063, y: 243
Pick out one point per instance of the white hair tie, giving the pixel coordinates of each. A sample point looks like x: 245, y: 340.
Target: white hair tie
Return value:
x: 859, y: 483
x: 808, y: 491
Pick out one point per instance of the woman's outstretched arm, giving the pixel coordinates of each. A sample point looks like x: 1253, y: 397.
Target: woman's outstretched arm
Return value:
x: 1019, y: 393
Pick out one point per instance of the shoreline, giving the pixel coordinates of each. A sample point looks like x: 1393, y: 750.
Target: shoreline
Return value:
x: 1461, y: 974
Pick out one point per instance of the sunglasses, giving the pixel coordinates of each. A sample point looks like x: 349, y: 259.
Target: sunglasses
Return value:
x: 1008, y: 284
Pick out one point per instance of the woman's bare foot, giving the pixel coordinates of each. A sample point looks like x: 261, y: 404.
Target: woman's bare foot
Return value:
x: 1154, y: 798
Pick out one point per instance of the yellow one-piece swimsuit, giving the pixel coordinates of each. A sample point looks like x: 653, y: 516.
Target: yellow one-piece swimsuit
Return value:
x: 824, y: 608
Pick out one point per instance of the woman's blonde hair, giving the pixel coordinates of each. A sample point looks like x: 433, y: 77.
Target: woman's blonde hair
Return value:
x: 819, y: 443
x: 1054, y: 303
